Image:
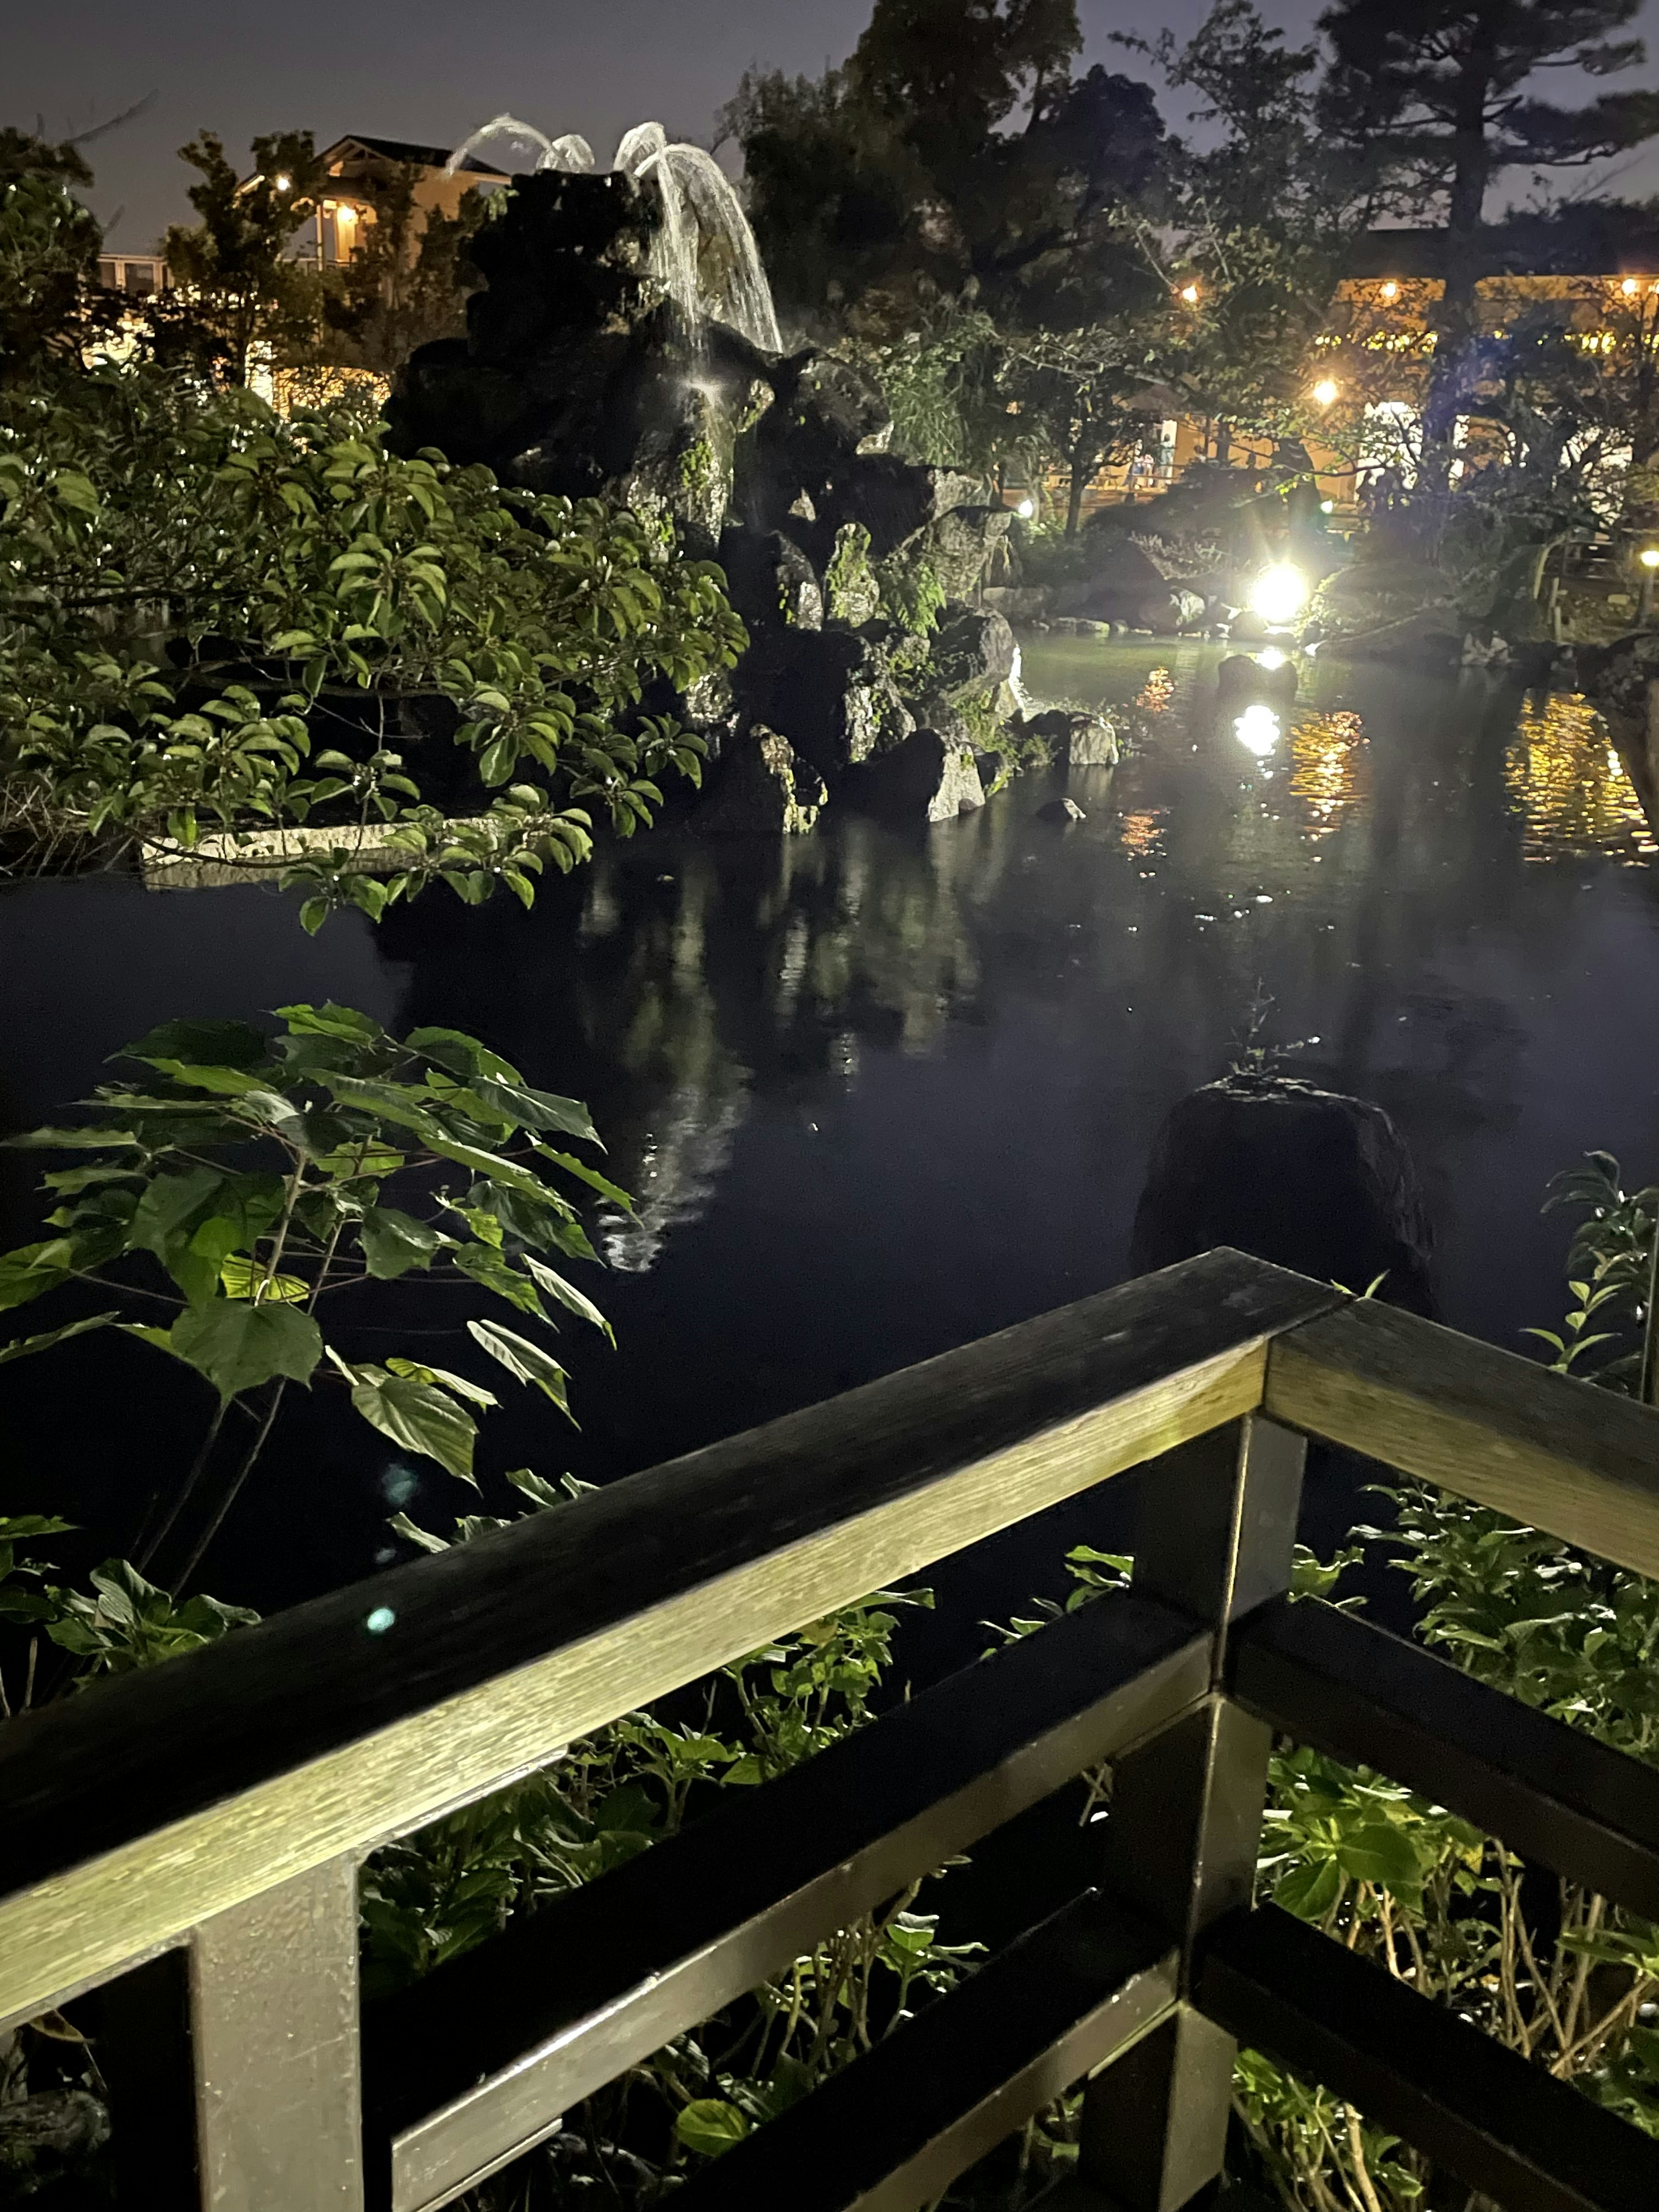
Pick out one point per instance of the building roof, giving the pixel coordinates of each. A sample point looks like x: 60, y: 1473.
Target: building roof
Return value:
x: 1607, y: 239
x: 406, y: 149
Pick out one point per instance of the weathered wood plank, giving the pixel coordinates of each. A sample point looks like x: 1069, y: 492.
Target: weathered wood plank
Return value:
x: 135, y: 1811
x: 1557, y: 1454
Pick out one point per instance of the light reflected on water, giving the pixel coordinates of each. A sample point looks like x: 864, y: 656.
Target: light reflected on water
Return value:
x: 1259, y: 729
x: 1158, y: 691
x: 1570, y: 786
x: 1142, y: 831
x: 1327, y: 751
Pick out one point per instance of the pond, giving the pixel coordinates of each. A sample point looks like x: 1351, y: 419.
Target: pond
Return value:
x: 880, y: 1093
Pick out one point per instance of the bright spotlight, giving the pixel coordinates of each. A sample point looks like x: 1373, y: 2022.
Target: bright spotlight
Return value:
x: 1648, y: 557
x: 1270, y: 657
x: 1325, y: 390
x: 1328, y: 507
x: 1257, y: 729
x: 1630, y: 288
x: 1391, y: 290
x: 1027, y: 508
x: 1279, y: 593
x: 1189, y: 294
x: 283, y: 184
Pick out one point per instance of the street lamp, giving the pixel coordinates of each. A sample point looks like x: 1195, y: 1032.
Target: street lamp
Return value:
x: 1326, y: 390
x: 1278, y: 594
x: 1649, y: 557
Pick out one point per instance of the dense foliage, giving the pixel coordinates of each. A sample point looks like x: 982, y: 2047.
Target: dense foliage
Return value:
x: 244, y: 1189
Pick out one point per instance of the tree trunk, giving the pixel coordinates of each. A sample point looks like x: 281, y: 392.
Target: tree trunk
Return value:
x: 1083, y: 467
x: 1456, y: 325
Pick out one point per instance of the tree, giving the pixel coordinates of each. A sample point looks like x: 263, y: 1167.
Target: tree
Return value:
x: 406, y: 283
x: 1438, y: 96
x: 943, y: 74
x: 244, y: 294
x: 49, y: 245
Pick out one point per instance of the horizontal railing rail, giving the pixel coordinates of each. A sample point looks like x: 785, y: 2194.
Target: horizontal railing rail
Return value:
x: 187, y: 1841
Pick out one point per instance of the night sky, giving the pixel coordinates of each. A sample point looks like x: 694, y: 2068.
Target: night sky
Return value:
x: 433, y: 69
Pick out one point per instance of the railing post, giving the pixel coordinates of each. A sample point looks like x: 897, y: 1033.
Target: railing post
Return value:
x: 1216, y: 1531
x: 274, y: 2024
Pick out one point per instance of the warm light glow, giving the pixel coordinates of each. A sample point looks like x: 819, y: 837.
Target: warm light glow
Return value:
x: 1630, y: 288
x: 1278, y: 594
x: 345, y: 214
x: 1325, y: 390
x: 1189, y: 294
x: 1648, y: 557
x: 1328, y: 507
x: 283, y: 183
x: 1391, y: 290
x: 1026, y: 507
x: 1257, y: 729
x: 1270, y: 657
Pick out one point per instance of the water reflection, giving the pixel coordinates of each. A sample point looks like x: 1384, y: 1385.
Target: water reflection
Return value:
x: 1327, y: 751
x: 1259, y: 729
x: 882, y: 1093
x: 1568, y: 785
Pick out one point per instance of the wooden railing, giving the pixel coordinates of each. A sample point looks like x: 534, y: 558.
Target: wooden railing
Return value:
x: 186, y: 1842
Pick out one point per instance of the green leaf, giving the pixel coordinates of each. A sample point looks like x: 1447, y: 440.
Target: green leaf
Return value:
x: 168, y: 1203
x: 709, y: 2125
x: 1381, y: 1854
x: 71, y: 1140
x: 238, y: 1345
x: 225, y: 1082
x: 343, y: 1022
x: 474, y: 1393
x: 401, y: 1525
x: 32, y: 1270
x: 523, y: 1359
x: 240, y: 1278
x: 393, y: 1243
x: 1309, y: 1890
x: 418, y: 1416
x: 538, y: 1110
x: 20, y: 1347
x: 221, y: 1044
x: 589, y: 1175
x: 567, y: 1294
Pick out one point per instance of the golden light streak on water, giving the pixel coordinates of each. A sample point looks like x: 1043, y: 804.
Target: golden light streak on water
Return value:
x: 1327, y: 755
x: 1570, y: 786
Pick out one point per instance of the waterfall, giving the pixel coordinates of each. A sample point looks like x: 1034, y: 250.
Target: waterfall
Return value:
x: 706, y: 256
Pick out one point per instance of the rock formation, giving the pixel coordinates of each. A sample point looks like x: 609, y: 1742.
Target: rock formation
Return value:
x: 850, y: 566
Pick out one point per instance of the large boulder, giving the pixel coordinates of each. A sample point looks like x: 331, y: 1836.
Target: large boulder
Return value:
x: 928, y: 778
x: 1398, y: 609
x: 762, y: 788
x: 830, y: 692
x: 770, y: 581
x: 973, y: 649
x: 961, y: 543
x: 1078, y: 738
x: 1123, y: 578
x: 1312, y: 1180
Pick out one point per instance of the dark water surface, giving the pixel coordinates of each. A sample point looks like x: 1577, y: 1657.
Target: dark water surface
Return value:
x: 882, y: 1093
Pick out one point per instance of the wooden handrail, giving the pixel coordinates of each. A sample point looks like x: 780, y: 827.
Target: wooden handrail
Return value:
x: 133, y: 1812
x: 222, y: 1802
x: 1545, y: 1449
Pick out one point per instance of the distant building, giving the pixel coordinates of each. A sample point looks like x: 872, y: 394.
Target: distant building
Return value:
x: 139, y: 275
x: 363, y: 167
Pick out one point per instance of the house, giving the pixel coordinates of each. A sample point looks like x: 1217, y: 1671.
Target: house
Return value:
x: 360, y: 169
